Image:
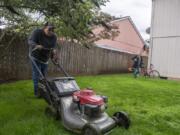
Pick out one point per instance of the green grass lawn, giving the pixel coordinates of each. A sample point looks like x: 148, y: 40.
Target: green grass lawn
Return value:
x: 153, y: 106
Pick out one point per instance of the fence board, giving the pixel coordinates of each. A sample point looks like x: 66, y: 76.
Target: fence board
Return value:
x: 75, y: 59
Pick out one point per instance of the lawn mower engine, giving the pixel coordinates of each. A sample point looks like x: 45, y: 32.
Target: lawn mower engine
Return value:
x: 89, y: 103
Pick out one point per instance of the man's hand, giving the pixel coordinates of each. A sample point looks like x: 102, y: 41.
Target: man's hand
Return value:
x: 39, y: 47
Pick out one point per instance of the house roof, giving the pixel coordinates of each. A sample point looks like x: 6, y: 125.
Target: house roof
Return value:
x: 129, y: 39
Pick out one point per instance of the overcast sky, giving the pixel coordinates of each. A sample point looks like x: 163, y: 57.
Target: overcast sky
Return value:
x: 138, y: 10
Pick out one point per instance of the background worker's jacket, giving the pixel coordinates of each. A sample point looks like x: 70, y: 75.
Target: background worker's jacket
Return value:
x: 137, y: 62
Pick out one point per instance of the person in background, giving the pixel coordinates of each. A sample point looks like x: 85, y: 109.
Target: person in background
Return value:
x: 138, y: 63
x: 42, y: 43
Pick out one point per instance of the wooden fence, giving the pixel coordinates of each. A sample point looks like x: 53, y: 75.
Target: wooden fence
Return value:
x: 76, y: 59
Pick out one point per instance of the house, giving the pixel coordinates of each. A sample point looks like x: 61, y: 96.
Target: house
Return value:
x: 128, y: 40
x: 165, y: 37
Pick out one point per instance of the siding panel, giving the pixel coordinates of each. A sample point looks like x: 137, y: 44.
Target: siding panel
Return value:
x: 165, y: 37
x: 165, y: 56
x: 166, y: 18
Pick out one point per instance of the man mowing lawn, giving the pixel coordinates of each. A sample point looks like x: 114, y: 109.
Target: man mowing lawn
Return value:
x: 41, y: 43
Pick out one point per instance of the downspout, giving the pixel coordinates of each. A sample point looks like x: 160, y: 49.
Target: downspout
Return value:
x: 151, y: 33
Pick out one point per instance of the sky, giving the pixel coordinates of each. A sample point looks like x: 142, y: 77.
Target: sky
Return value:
x: 138, y: 10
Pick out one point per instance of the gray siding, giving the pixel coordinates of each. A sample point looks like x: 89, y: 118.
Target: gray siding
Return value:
x: 165, y: 37
x: 166, y: 18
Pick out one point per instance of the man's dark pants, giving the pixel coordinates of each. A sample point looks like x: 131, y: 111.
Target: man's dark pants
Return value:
x: 36, y: 75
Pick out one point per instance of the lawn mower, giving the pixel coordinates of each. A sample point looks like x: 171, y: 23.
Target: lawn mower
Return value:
x: 81, y: 111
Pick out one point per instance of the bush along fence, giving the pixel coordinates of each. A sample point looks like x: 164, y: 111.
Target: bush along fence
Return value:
x: 76, y: 59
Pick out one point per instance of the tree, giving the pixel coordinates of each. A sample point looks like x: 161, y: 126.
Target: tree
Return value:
x: 74, y: 19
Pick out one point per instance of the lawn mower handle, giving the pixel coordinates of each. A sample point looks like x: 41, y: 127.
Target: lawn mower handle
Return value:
x: 53, y: 61
x: 60, y: 67
x: 43, y: 77
x: 34, y: 63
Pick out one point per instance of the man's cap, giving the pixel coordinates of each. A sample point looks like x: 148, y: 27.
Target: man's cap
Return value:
x: 50, y: 25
